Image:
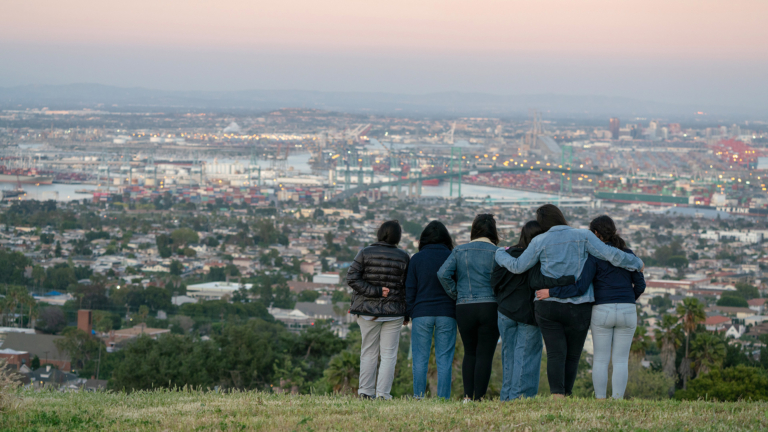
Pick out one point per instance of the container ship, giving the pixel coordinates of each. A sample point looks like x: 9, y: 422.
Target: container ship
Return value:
x: 24, y: 177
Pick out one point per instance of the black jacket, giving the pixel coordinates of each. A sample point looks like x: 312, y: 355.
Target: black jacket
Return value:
x: 378, y: 265
x: 514, y: 293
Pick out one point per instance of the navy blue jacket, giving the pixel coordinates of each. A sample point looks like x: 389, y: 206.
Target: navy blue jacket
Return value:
x: 612, y: 284
x: 424, y: 295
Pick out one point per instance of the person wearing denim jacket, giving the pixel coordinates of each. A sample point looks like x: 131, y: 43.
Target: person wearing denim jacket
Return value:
x: 614, y: 316
x: 564, y: 323
x: 466, y: 277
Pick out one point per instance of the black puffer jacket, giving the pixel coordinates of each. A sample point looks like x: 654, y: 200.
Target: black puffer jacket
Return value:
x: 378, y: 265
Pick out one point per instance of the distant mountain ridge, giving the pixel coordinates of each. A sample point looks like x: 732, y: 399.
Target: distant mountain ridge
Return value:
x: 431, y: 104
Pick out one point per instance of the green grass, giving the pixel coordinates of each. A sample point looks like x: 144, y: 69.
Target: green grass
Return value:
x: 206, y: 411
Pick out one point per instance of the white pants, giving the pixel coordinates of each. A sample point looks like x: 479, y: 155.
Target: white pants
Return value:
x: 613, y: 327
x: 378, y: 338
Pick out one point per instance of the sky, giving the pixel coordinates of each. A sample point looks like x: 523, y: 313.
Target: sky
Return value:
x: 675, y: 51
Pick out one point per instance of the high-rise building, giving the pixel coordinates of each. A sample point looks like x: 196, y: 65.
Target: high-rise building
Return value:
x: 615, y: 127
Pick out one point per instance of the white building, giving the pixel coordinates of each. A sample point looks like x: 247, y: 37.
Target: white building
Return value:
x: 214, y: 290
x: 331, y: 278
x: 749, y: 237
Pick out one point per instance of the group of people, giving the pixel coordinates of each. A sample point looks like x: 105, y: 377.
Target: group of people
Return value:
x: 556, y: 283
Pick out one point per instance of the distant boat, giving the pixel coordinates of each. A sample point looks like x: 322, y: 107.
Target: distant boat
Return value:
x: 25, y: 179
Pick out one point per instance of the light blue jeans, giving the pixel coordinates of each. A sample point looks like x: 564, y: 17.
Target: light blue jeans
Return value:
x: 613, y: 327
x: 444, y: 329
x: 520, y: 358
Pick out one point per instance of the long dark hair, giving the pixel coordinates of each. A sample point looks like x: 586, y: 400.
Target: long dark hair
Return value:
x: 484, y: 225
x: 548, y: 216
x: 390, y: 232
x: 435, y: 233
x: 530, y: 230
x: 604, y: 226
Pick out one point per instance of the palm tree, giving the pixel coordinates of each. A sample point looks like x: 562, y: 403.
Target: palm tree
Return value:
x: 708, y: 351
x: 640, y: 342
x: 668, y: 339
x: 343, y: 372
x: 692, y: 313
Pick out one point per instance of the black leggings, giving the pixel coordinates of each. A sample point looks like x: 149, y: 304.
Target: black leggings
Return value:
x: 479, y: 329
x: 564, y: 327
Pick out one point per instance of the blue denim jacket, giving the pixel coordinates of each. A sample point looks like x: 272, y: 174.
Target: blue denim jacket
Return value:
x: 466, y: 274
x: 563, y: 251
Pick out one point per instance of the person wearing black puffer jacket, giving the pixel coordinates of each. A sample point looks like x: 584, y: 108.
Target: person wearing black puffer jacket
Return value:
x: 377, y: 277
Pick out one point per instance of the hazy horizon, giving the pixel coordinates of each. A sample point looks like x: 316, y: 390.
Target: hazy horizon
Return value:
x: 684, y: 52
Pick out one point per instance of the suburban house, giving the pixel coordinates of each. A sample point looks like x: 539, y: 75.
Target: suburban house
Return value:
x: 214, y: 290
x: 757, y: 305
x: 716, y: 323
x: 735, y: 331
x: 114, y: 338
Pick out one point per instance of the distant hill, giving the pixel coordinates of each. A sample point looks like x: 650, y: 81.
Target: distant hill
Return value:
x: 431, y: 104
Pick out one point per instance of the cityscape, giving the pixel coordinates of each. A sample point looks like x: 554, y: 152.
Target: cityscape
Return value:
x: 182, y: 241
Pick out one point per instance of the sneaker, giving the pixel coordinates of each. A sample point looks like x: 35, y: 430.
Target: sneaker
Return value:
x: 365, y: 396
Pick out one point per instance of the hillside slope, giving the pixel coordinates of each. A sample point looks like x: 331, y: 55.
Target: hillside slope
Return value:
x: 195, y: 410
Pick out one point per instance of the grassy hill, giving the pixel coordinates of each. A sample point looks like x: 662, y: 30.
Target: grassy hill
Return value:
x: 188, y: 411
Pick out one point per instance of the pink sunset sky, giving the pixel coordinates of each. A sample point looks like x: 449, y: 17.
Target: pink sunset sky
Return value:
x: 686, y: 50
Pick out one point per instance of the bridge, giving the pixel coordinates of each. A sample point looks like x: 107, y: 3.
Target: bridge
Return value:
x: 417, y: 180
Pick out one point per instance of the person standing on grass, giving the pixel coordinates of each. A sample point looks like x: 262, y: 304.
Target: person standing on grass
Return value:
x: 466, y: 277
x: 377, y: 277
x: 614, y: 315
x: 431, y: 310
x: 564, y: 323
x: 520, y: 335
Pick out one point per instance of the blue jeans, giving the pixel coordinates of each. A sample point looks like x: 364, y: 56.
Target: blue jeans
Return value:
x: 520, y: 357
x: 421, y: 344
x: 613, y: 327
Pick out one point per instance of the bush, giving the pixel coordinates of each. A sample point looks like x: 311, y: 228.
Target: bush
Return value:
x: 643, y: 383
x: 732, y: 301
x: 730, y: 384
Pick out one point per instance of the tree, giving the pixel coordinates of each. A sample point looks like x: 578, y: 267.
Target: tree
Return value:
x: 184, y: 236
x: 668, y: 338
x: 176, y: 268
x: 731, y: 384
x: 660, y: 303
x: 691, y: 312
x: 708, y: 352
x: 308, y: 296
x: 52, y: 320
x: 57, y: 249
x: 747, y: 291
x: 343, y: 372
x: 732, y: 300
x: 288, y: 376
x: 640, y: 342
x: 35, y: 363
x: 80, y: 346
x: 164, y: 244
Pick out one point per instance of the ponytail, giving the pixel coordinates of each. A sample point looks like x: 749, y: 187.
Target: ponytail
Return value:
x: 604, y: 226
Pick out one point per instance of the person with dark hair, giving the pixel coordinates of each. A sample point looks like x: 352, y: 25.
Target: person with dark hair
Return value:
x: 520, y: 335
x: 564, y: 323
x: 377, y: 277
x: 614, y: 315
x: 466, y: 277
x: 431, y: 310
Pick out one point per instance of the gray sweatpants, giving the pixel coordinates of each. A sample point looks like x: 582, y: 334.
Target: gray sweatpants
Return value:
x: 613, y: 327
x: 378, y: 338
